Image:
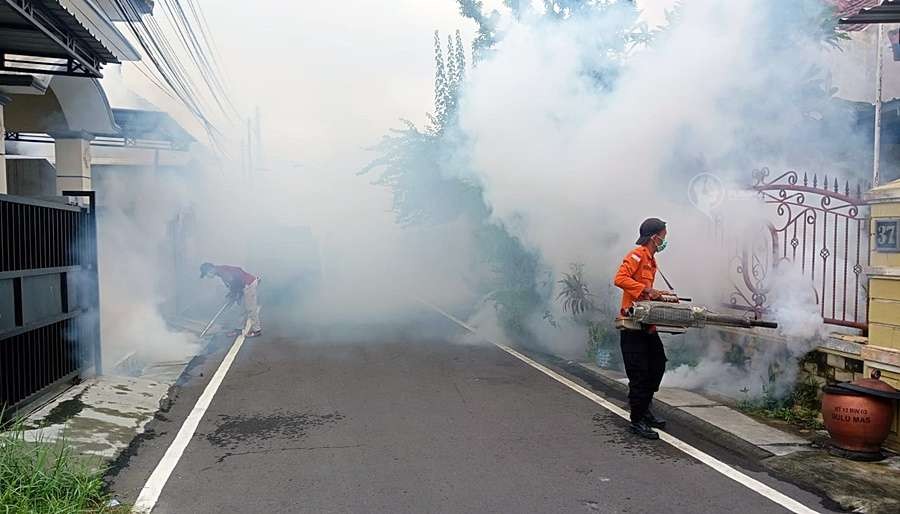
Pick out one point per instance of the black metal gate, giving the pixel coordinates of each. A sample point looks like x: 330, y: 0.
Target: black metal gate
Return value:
x: 49, y: 297
x: 820, y: 225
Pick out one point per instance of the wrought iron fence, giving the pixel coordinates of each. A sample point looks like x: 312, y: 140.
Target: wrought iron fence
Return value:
x: 49, y: 315
x: 822, y: 226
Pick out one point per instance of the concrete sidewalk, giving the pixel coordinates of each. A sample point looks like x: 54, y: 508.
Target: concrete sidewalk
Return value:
x: 100, y: 417
x: 711, y: 415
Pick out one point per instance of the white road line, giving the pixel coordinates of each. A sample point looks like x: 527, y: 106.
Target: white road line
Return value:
x: 751, y: 483
x: 748, y: 482
x: 150, y: 493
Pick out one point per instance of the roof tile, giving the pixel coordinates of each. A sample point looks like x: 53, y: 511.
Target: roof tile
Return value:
x: 844, y: 8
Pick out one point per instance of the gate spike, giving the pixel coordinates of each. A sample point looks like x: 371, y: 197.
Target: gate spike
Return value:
x: 825, y: 183
x: 815, y: 180
x: 835, y: 186
x: 847, y: 187
x: 805, y: 179
x: 858, y: 190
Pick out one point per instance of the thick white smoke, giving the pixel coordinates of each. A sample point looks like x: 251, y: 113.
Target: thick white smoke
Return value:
x: 572, y: 168
x: 371, y: 269
x: 316, y: 128
x: 136, y: 279
x: 567, y: 165
x: 770, y: 364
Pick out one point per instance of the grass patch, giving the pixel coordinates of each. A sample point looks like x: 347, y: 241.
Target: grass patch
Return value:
x: 800, y: 408
x: 48, y: 478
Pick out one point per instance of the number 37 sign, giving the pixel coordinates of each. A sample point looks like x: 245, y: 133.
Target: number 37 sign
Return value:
x: 887, y: 235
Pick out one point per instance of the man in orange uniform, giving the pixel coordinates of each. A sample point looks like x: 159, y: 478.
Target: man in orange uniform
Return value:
x: 642, y: 350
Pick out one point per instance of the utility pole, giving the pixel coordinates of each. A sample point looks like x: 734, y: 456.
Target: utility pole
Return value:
x: 243, y: 157
x: 249, y: 146
x: 879, y: 74
x: 257, y: 133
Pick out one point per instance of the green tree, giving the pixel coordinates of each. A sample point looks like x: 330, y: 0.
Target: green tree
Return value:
x: 438, y: 119
x: 452, y: 74
x: 414, y: 165
x: 410, y: 161
x: 460, y: 62
x: 487, y: 26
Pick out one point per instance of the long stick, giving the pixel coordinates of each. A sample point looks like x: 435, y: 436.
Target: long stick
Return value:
x: 210, y: 324
x: 879, y: 74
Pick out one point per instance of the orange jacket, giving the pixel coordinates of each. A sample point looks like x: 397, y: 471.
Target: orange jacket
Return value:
x: 637, y: 272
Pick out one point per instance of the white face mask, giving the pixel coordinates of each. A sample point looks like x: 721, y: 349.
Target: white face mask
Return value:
x: 661, y: 245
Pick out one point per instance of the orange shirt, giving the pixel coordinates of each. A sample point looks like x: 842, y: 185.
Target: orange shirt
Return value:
x: 637, y: 272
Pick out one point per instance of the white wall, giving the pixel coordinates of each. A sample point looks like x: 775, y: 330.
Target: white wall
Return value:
x: 853, y: 67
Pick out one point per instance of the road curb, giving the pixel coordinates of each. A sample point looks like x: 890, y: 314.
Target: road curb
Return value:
x: 700, y: 427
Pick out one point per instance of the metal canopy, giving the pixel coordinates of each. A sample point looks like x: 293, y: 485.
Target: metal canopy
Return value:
x: 112, y: 8
x: 59, y: 37
x: 142, y: 125
x: 887, y: 12
x: 137, y: 128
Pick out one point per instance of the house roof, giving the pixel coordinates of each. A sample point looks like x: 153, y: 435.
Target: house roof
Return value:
x: 36, y: 35
x: 845, y: 8
x: 97, y: 28
x: 887, y: 11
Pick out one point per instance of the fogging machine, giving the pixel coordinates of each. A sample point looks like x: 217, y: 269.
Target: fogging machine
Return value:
x: 675, y: 318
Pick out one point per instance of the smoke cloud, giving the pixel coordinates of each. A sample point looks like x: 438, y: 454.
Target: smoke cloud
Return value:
x: 571, y: 144
x: 303, y: 207
x: 135, y: 279
x: 571, y: 165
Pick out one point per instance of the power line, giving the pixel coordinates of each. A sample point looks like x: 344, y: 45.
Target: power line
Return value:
x: 142, y: 40
x: 206, y: 34
x: 190, y: 43
x: 201, y: 54
x: 167, y: 64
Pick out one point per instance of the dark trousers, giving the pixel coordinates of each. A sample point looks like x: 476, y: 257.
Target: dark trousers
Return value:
x: 645, y: 364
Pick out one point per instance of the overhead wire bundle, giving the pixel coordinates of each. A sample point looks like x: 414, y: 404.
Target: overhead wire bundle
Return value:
x: 176, y: 66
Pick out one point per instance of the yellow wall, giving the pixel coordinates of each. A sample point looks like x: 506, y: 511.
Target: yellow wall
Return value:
x: 884, y: 314
x: 886, y: 336
x: 886, y: 210
x: 892, y: 378
x: 885, y: 288
x: 884, y: 311
x: 884, y: 292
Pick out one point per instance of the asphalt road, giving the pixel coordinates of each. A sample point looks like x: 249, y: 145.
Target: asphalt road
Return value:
x: 414, y: 424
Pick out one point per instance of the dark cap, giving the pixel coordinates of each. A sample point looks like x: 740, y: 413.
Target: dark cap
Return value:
x: 649, y: 228
x: 207, y: 269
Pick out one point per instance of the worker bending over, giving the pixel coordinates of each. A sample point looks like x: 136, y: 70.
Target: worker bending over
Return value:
x: 242, y: 286
x: 642, y: 350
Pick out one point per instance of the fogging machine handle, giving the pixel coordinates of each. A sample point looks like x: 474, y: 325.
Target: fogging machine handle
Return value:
x: 763, y: 324
x: 674, y: 298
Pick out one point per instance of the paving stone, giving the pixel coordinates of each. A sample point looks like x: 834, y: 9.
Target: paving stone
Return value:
x: 782, y: 449
x: 682, y: 398
x: 743, y: 426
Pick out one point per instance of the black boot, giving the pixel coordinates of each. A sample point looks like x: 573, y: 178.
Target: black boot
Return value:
x: 653, y: 421
x: 643, y: 429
